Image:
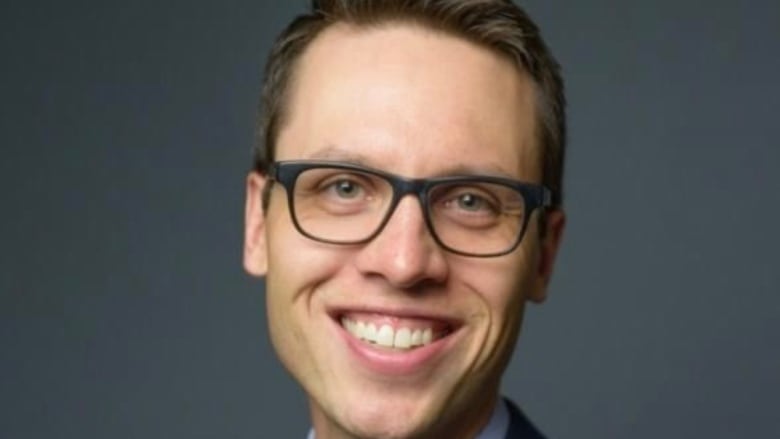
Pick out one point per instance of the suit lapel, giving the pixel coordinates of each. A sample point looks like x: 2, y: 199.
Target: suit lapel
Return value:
x: 519, y: 426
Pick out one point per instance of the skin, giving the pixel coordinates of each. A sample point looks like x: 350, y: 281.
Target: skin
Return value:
x: 418, y: 103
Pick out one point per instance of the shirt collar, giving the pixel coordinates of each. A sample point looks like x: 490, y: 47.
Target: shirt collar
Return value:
x: 498, y: 425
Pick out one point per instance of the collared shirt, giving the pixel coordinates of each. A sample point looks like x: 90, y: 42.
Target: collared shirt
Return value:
x: 495, y: 429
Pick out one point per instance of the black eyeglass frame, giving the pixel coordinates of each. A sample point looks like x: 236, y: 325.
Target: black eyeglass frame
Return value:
x: 286, y: 173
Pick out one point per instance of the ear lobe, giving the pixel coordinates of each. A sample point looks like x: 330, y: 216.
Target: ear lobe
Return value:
x: 555, y: 223
x: 255, y: 252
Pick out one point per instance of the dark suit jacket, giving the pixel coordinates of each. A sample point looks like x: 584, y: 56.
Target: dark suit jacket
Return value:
x: 519, y: 426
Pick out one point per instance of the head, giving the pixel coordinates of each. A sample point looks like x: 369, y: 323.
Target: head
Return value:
x: 419, y: 90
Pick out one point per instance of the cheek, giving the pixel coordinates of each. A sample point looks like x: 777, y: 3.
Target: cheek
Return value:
x: 296, y: 264
x: 499, y: 289
x: 502, y: 284
x: 297, y: 267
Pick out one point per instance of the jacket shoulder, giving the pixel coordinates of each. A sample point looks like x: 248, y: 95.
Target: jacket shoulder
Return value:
x: 519, y: 425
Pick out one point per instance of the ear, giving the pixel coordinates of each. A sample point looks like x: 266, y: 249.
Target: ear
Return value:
x: 555, y: 222
x: 255, y: 252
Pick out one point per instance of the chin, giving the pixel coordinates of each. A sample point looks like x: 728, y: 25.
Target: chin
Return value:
x: 388, y: 427
x: 375, y: 416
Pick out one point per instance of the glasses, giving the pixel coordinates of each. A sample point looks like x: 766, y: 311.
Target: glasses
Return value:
x: 340, y: 203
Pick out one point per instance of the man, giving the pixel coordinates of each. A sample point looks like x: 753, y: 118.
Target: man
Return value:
x: 404, y: 207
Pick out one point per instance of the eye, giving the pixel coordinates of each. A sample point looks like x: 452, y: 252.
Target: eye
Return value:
x: 346, y: 188
x: 471, y: 202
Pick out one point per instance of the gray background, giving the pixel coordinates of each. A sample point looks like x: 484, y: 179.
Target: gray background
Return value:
x: 126, y: 130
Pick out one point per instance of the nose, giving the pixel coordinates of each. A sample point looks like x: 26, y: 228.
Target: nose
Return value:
x: 404, y: 253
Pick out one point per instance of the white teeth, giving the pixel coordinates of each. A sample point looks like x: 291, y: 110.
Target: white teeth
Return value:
x: 416, y: 338
x: 402, y: 338
x: 370, y: 333
x: 385, y: 336
x: 427, y: 336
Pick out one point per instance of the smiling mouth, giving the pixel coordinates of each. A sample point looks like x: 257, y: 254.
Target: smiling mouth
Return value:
x: 394, y: 333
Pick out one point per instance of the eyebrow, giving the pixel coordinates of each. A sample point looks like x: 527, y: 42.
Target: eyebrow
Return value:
x: 334, y: 153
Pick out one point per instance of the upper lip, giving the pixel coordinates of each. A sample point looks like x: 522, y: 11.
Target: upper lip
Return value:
x: 336, y: 312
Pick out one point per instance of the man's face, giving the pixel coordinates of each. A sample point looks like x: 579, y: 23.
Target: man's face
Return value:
x: 419, y: 104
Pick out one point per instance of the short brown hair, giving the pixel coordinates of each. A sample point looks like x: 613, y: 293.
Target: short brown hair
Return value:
x: 496, y: 24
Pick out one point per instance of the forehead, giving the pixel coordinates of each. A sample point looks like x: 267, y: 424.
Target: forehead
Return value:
x: 412, y: 101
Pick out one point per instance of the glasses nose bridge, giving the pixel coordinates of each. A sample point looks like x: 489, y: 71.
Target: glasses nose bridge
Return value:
x: 410, y: 186
x: 402, y: 187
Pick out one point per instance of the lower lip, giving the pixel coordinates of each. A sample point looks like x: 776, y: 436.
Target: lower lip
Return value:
x: 389, y: 362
